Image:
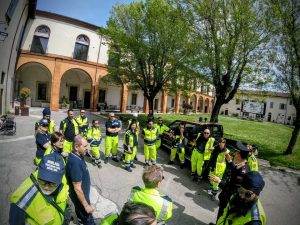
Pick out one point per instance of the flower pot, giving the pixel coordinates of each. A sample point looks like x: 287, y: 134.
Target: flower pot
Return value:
x: 24, y: 111
x: 22, y: 102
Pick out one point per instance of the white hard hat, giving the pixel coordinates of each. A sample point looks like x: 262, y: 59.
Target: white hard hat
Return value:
x: 135, y: 114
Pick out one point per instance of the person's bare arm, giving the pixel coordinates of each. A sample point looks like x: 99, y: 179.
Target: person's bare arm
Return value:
x: 46, y: 145
x: 80, y: 196
x: 111, y: 130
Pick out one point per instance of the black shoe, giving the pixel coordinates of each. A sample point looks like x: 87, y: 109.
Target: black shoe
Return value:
x: 128, y: 169
x: 181, y: 165
x: 115, y: 159
x: 106, y: 160
x: 132, y: 165
x: 170, y: 162
x: 147, y: 164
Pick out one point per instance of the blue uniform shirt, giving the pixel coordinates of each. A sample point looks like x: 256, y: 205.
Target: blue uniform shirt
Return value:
x: 112, y: 124
x: 77, y: 171
x: 41, y: 139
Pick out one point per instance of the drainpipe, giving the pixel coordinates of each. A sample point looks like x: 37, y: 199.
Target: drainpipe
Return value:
x: 97, y: 67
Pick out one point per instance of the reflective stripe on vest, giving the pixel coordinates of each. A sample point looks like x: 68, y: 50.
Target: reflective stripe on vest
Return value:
x: 163, y: 210
x: 25, y: 201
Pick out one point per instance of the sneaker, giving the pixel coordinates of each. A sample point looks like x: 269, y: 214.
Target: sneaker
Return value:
x: 128, y: 169
x: 115, y: 159
x: 147, y: 164
x: 106, y: 160
x: 132, y: 165
x: 170, y: 162
x: 210, y: 192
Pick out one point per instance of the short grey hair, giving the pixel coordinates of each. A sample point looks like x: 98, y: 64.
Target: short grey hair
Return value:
x: 77, y: 140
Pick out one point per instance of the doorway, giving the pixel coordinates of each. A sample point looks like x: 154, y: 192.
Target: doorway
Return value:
x: 87, y: 99
x: 155, y: 104
x: 269, y: 117
x: 73, y: 93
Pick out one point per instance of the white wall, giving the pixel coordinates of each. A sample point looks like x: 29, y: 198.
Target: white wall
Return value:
x: 63, y: 37
x: 9, y: 48
x: 113, y: 96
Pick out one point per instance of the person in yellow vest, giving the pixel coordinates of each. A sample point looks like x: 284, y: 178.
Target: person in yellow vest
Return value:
x: 94, y: 138
x: 150, y: 135
x: 245, y: 207
x: 161, y: 127
x: 130, y: 145
x: 178, y: 145
x: 42, y: 140
x: 204, y: 145
x: 69, y: 128
x: 252, y: 160
x: 83, y: 123
x: 47, y: 116
x: 42, y: 197
x: 218, y: 165
x: 133, y: 213
x: 134, y: 118
x: 162, y: 204
x: 113, y: 127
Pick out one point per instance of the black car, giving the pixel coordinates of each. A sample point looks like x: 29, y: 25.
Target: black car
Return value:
x: 191, y: 129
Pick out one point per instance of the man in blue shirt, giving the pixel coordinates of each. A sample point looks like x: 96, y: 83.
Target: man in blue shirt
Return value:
x: 113, y: 126
x: 42, y: 140
x: 79, y: 180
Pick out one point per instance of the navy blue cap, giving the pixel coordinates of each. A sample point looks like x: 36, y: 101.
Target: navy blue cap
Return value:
x: 46, y: 112
x: 51, y: 168
x: 253, y: 181
x: 241, y: 147
x: 43, y: 122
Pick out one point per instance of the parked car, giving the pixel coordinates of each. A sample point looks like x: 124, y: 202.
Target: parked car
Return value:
x: 191, y: 129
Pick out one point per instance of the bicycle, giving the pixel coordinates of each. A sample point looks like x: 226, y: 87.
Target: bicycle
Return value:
x: 7, y: 125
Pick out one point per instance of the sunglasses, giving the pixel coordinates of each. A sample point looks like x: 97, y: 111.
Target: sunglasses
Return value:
x: 245, y: 192
x: 44, y: 183
x: 82, y: 112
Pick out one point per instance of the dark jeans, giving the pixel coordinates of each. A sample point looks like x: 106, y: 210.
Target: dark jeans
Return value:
x: 82, y: 216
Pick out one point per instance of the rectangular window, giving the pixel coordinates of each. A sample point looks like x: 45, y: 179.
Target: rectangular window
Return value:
x: 173, y: 103
x: 291, y: 102
x: 2, y: 77
x: 282, y: 106
x: 42, y: 91
x: 271, y: 105
x: 101, y: 96
x: 11, y: 9
x: 133, y: 99
x: 237, y: 101
x: 39, y: 45
x: 81, y: 52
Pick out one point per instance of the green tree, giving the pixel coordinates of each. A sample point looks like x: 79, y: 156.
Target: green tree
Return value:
x: 284, y: 22
x: 229, y: 37
x: 148, y: 43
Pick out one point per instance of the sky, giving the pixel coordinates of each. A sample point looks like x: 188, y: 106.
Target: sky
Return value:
x: 92, y: 11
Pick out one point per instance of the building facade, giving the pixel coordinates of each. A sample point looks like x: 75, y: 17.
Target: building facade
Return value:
x: 278, y: 107
x: 63, y: 60
x: 14, y: 16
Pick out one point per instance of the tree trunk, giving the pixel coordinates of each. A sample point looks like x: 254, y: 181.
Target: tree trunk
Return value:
x: 151, y: 107
x: 294, y: 137
x: 216, y: 110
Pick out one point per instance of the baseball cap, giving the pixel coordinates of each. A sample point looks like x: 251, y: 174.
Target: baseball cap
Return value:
x: 46, y: 112
x: 43, y: 122
x: 253, y: 181
x: 51, y: 168
x: 241, y: 147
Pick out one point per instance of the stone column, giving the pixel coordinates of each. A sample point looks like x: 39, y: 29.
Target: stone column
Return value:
x: 164, y: 100
x: 55, y: 87
x: 203, y: 104
x: 124, y: 97
x: 94, y: 96
x: 196, y: 103
x: 177, y: 102
x: 146, y: 105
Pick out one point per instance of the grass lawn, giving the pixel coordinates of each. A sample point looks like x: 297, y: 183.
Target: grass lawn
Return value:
x: 271, y: 138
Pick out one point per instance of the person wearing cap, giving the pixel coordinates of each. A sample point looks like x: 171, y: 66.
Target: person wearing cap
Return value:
x: 161, y: 127
x: 47, y: 116
x: 244, y: 206
x: 113, y: 126
x: 42, y: 197
x: 179, y: 142
x: 238, y: 166
x: 42, y: 140
x: 83, y: 123
x: 133, y: 213
x: 69, y: 128
x: 94, y: 138
x: 162, y: 204
x: 134, y: 118
x: 150, y: 135
x: 218, y: 165
x: 252, y: 160
x: 78, y: 178
x: 130, y: 145
x: 204, y: 145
